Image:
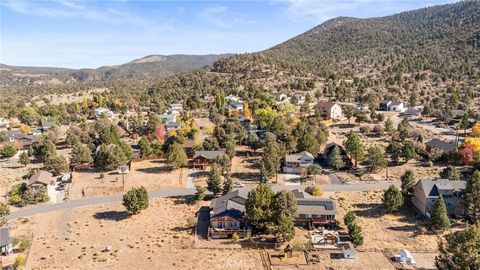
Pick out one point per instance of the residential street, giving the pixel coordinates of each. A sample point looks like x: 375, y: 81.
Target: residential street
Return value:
x: 181, y: 192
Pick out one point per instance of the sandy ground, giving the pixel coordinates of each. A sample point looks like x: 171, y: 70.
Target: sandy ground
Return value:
x: 398, y: 231
x: 246, y: 165
x: 152, y: 174
x: 157, y: 238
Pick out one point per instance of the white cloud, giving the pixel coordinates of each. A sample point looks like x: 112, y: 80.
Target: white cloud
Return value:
x: 213, y: 15
x: 322, y: 10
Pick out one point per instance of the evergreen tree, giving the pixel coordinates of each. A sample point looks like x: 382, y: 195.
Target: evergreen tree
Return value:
x: 214, y: 181
x: 200, y: 193
x: 355, y: 232
x: 335, y: 160
x: 462, y: 250
x: 392, y: 198
x: 408, y: 151
x: 408, y: 181
x: 284, y: 209
x: 145, y: 147
x: 354, y: 147
x: 56, y: 165
x: 136, y: 200
x: 450, y: 172
x: 227, y: 185
x: 376, y: 158
x: 389, y: 125
x: 439, y: 218
x: 24, y: 159
x: 472, y: 195
x: 404, y: 129
x: 81, y: 154
x: 349, y: 218
x: 176, y: 155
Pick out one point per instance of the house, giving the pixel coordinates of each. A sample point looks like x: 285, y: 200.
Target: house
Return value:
x: 384, y: 105
x: 315, y: 212
x: 172, y: 126
x: 176, y: 107
x: 343, y: 153
x: 298, y: 99
x: 279, y: 97
x: 436, y: 148
x: 103, y: 111
x: 236, y: 107
x: 226, y: 215
x: 6, y: 241
x: 297, y: 163
x: 348, y: 250
x: 362, y: 107
x: 202, y: 159
x: 232, y: 98
x: 168, y: 118
x: 188, y: 146
x: 396, y: 106
x: 329, y: 110
x: 36, y: 132
x: 412, y: 112
x: 40, y: 179
x: 427, y: 191
x: 4, y: 123
x: 22, y: 141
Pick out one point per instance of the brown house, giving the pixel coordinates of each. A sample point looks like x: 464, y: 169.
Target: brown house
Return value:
x: 427, y: 191
x: 40, y: 179
x: 226, y: 216
x: 202, y: 159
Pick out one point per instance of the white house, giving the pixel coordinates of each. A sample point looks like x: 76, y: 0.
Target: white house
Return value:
x: 280, y: 97
x: 396, y: 107
x: 296, y: 163
x: 176, y: 107
x: 4, y: 122
x: 103, y: 111
x: 233, y: 98
x: 168, y: 118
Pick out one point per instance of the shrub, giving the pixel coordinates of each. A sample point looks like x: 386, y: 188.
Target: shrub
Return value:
x: 136, y: 200
x: 20, y: 262
x: 314, y: 191
x: 235, y: 238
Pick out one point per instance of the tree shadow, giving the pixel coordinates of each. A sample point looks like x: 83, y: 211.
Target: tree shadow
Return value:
x: 246, y: 176
x: 111, y: 215
x: 371, y: 210
x: 154, y: 170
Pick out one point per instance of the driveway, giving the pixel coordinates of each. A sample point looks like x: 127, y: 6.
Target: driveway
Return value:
x: 191, y: 178
x: 203, y: 221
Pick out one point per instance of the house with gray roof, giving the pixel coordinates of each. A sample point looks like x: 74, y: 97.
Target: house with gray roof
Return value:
x: 40, y: 179
x: 297, y: 163
x: 6, y: 241
x: 227, y: 213
x: 427, y: 191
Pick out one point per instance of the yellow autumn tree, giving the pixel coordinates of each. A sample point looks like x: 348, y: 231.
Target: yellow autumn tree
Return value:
x: 24, y: 129
x: 246, y: 111
x: 476, y: 130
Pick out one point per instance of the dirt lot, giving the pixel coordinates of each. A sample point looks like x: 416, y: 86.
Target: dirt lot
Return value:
x: 152, y: 174
x: 382, y: 230
x: 246, y: 165
x: 157, y: 238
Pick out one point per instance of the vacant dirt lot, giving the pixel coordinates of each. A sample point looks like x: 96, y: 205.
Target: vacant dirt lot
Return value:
x: 383, y: 230
x: 246, y: 165
x: 157, y: 238
x: 152, y: 174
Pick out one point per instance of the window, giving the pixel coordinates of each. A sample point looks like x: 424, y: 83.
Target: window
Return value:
x: 221, y: 224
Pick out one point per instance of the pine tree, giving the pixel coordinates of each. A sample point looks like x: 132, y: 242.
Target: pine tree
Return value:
x: 227, y: 185
x: 214, y: 181
x: 439, y: 217
x: 136, y: 200
x: 176, y: 155
x: 393, y: 198
x: 355, y: 232
x: 259, y: 206
x: 354, y: 147
x: 472, y: 194
x: 335, y: 160
x: 24, y: 159
x: 408, y: 181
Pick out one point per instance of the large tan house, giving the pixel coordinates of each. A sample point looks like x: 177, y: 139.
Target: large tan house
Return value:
x: 427, y: 191
x: 329, y: 110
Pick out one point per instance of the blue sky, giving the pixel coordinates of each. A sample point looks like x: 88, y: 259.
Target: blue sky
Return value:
x: 91, y: 34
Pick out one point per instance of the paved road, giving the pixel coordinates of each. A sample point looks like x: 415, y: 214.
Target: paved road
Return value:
x: 181, y: 192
